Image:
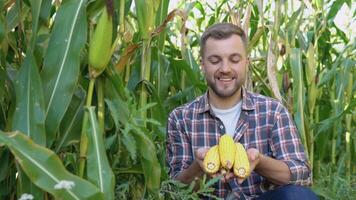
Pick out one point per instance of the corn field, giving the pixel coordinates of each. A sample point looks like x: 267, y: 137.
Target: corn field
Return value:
x: 76, y: 126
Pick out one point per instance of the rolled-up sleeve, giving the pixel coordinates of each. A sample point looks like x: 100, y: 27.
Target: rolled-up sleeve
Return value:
x: 179, y: 153
x: 287, y: 147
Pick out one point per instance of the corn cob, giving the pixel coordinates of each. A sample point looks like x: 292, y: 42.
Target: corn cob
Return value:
x: 227, y: 151
x: 212, y: 160
x: 100, y: 43
x: 241, y: 162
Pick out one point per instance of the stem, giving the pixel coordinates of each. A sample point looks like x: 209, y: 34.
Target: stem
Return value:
x: 101, y: 105
x: 348, y: 121
x: 316, y: 169
x: 348, y: 146
x: 145, y: 74
x: 127, y: 71
x: 122, y: 17
x: 311, y: 142
x: 334, y: 132
x: 84, y: 137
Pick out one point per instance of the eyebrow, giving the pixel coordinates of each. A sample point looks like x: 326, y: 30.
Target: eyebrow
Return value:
x: 217, y: 56
x: 236, y: 54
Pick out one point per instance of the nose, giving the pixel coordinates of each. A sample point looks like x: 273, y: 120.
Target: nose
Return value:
x: 225, y: 67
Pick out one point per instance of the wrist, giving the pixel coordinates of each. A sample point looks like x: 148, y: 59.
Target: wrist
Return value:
x: 198, y: 168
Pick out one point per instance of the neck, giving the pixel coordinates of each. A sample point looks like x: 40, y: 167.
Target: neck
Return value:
x: 224, y: 102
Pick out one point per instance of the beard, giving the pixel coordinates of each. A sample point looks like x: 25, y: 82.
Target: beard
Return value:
x: 222, y: 90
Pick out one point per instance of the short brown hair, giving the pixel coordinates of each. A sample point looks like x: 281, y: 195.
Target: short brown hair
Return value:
x: 221, y: 31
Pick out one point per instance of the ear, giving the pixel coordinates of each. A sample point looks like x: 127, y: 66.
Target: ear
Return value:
x: 202, y: 65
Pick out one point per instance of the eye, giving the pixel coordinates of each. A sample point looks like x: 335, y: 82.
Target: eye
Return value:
x: 214, y: 60
x: 235, y: 59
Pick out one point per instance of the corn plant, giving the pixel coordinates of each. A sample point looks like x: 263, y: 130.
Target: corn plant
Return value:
x: 81, y: 121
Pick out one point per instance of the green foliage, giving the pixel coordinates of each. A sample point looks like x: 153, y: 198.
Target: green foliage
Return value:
x: 45, y: 169
x: 171, y: 189
x: 333, y: 184
x: 45, y: 87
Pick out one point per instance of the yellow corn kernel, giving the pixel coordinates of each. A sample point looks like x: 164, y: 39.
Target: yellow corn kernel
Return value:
x: 241, y: 164
x: 212, y: 160
x: 227, y: 151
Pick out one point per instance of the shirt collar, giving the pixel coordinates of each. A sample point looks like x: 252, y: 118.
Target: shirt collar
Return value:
x: 247, y: 102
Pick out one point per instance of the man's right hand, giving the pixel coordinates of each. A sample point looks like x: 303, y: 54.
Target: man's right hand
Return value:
x: 199, y: 157
x: 196, y: 169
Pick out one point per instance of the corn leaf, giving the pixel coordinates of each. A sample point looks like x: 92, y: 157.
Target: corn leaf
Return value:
x: 146, y: 14
x: 294, y: 24
x: 328, y: 74
x: 45, y: 169
x: 29, y: 112
x: 99, y: 170
x: 2, y: 29
x: 69, y: 130
x: 45, y: 11
x: 13, y: 18
x: 334, y: 9
x: 35, y: 10
x: 161, y: 16
x: 24, y: 185
x: 271, y: 69
x: 5, y: 160
x: 298, y: 92
x: 62, y: 62
x: 130, y: 143
x: 150, y: 164
x: 118, y: 107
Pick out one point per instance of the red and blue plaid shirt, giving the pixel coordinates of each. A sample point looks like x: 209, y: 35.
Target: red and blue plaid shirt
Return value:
x: 264, y: 124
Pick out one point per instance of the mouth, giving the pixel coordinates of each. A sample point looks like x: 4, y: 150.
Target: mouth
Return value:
x: 226, y: 79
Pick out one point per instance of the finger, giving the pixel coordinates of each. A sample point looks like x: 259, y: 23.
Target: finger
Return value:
x: 229, y: 176
x: 253, y: 154
x: 223, y: 180
x: 200, y: 153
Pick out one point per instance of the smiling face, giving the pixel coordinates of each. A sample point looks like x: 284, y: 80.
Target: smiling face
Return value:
x: 224, y: 64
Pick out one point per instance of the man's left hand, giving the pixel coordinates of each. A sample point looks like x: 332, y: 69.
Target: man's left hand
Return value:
x: 254, y: 158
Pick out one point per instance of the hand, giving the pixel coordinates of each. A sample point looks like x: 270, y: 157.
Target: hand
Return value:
x: 252, y: 154
x: 199, y: 157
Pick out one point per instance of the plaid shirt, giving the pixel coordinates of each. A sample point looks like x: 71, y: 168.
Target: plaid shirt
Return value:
x: 264, y: 124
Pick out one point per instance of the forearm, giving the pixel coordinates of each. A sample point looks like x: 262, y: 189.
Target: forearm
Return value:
x: 188, y: 175
x: 274, y: 170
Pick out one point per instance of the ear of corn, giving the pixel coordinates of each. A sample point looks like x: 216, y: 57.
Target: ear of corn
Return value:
x: 241, y: 162
x: 225, y: 156
x: 100, y: 43
x: 212, y: 160
x: 227, y: 151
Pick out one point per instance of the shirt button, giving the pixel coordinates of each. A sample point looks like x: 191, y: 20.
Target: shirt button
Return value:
x: 221, y: 127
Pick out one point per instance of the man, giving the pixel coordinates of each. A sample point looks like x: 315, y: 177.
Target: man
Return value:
x: 263, y: 125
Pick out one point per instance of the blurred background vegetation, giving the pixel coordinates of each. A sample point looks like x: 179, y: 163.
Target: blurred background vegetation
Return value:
x: 66, y: 133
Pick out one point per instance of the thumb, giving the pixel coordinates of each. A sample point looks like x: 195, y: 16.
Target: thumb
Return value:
x: 253, y: 154
x: 201, y: 152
